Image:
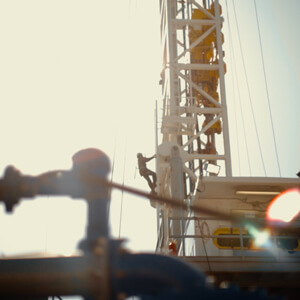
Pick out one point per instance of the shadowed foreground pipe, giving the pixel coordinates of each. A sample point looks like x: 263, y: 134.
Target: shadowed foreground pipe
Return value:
x: 148, y: 276
x: 23, y: 278
x: 152, y: 274
x: 153, y: 277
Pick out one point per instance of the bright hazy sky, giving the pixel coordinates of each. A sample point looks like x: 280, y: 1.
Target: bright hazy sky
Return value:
x: 281, y: 45
x: 78, y: 74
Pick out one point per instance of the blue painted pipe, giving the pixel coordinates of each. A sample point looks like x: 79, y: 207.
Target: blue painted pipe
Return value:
x: 159, y: 277
x: 152, y: 275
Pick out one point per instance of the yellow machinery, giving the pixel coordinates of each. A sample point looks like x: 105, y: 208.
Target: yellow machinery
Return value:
x: 237, y: 239
x: 205, y: 52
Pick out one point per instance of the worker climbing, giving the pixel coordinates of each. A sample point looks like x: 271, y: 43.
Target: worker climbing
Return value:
x: 145, y: 172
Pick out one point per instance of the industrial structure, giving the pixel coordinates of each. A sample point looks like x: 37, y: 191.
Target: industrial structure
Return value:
x: 194, y: 163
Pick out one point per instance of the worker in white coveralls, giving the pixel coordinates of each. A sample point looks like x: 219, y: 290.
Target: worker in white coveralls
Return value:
x: 145, y: 172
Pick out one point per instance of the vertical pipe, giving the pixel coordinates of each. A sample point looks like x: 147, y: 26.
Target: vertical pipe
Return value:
x: 156, y: 162
x: 177, y: 192
x: 94, y: 163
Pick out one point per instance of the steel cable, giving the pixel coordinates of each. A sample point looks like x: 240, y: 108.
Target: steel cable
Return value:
x: 267, y: 90
x: 248, y: 89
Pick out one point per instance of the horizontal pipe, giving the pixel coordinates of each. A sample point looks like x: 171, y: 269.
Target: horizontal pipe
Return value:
x: 152, y: 274
x: 85, y: 276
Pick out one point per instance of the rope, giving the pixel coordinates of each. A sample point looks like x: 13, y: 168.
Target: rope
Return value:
x: 267, y: 90
x: 122, y: 194
x: 248, y: 89
x: 203, y: 242
x: 174, y: 202
x: 111, y: 177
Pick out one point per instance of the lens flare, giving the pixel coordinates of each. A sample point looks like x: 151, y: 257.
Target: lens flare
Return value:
x: 285, y: 207
x: 261, y: 237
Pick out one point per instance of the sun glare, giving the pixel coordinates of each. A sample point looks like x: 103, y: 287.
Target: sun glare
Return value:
x: 285, y: 207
